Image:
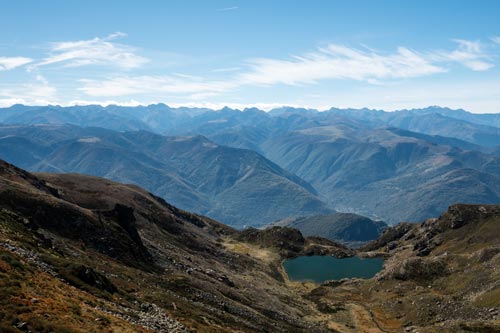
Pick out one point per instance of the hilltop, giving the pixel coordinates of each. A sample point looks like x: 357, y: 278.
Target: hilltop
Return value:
x: 347, y: 228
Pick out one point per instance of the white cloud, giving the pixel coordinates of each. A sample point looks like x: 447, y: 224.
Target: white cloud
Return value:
x: 478, y: 96
x: 339, y: 62
x: 226, y: 9
x: 8, y: 63
x: 176, y: 84
x: 342, y: 62
x: 328, y: 63
x: 131, y: 102
x: 495, y: 39
x: 226, y: 69
x: 39, y: 92
x: 97, y: 51
x: 469, y: 53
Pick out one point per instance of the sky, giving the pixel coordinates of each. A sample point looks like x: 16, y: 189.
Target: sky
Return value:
x: 318, y: 54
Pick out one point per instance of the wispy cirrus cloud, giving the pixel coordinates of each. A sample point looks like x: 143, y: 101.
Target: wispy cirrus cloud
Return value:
x: 339, y: 62
x: 96, y: 51
x: 174, y: 84
x: 328, y: 63
x: 227, y: 9
x: 8, y: 63
x: 469, y: 53
x: 226, y: 69
x: 495, y: 39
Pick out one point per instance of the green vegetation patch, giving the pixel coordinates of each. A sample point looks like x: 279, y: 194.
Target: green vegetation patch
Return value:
x: 489, y: 299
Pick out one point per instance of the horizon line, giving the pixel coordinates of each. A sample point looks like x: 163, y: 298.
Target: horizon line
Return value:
x: 265, y: 107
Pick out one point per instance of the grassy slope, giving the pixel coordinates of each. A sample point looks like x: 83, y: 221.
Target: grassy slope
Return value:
x: 188, y: 273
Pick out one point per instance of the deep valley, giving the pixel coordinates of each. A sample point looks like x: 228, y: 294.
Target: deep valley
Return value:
x: 269, y: 166
x: 82, y: 254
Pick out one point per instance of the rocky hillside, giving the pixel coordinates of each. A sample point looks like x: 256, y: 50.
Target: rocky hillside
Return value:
x: 440, y: 276
x: 85, y: 254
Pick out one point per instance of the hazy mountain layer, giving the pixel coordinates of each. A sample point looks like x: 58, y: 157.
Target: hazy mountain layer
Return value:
x: 388, y: 174
x: 481, y: 129
x: 236, y: 186
x: 417, y: 162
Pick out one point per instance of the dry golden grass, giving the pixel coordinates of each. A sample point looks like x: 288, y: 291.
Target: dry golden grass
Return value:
x: 49, y: 305
x: 251, y: 250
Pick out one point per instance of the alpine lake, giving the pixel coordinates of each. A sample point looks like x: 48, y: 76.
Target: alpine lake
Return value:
x: 319, y: 269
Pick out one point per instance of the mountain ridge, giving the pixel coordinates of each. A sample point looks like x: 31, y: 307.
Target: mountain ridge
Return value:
x: 352, y: 160
x: 192, y: 172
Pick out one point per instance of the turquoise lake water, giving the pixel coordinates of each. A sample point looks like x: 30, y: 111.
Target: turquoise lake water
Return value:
x: 322, y: 268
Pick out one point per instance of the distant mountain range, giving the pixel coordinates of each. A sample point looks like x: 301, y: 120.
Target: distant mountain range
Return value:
x: 481, y: 129
x: 236, y: 186
x: 395, y: 166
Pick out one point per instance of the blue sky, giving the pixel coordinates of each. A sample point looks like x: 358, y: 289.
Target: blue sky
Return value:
x: 376, y: 54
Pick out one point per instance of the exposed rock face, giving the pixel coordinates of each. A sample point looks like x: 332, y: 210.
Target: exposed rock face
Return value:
x: 390, y: 236
x: 90, y: 277
x: 416, y: 268
x: 459, y: 215
x: 95, y: 229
